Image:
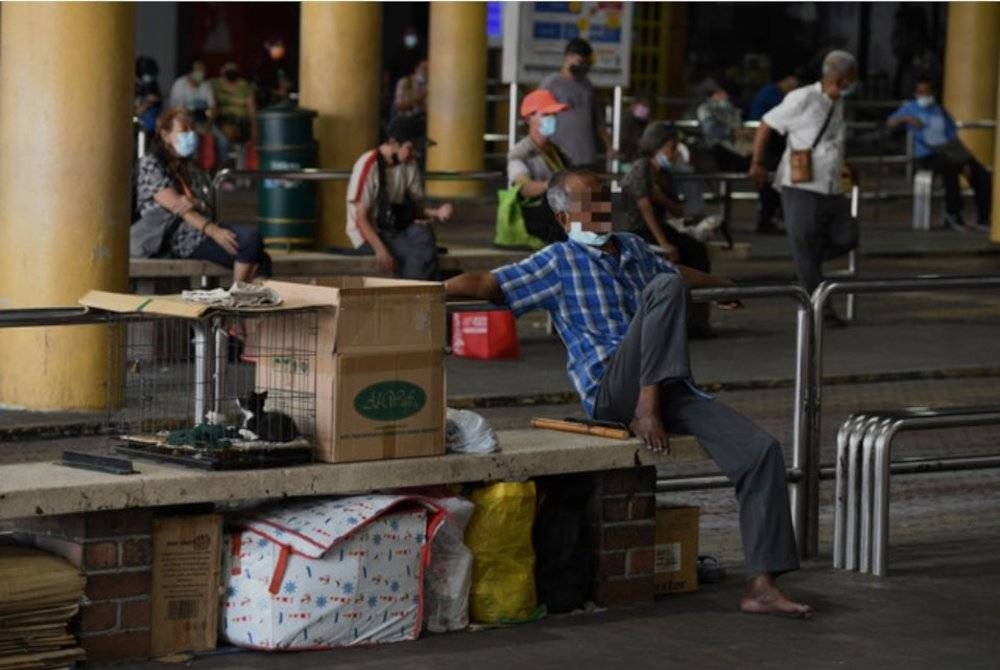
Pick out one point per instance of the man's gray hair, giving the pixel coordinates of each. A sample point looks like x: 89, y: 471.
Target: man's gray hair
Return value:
x: 839, y: 62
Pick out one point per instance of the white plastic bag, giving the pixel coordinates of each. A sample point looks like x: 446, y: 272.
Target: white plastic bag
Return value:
x: 469, y: 433
x: 448, y: 579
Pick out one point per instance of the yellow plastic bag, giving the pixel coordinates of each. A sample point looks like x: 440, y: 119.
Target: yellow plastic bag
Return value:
x: 503, y: 568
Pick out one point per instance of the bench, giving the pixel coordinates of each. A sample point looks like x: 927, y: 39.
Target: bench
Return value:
x: 103, y: 523
x: 146, y: 272
x: 863, y: 467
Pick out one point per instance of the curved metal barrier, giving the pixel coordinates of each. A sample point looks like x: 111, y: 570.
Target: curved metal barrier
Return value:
x: 863, y: 468
x: 826, y: 290
x: 317, y: 174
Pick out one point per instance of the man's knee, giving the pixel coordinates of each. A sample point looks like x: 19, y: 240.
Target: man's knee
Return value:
x: 768, y: 450
x: 665, y: 285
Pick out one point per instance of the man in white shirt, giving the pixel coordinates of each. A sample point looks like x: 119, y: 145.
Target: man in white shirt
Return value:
x: 817, y: 216
x: 386, y: 215
x: 194, y: 93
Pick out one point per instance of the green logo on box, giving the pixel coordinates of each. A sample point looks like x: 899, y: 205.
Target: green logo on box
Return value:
x: 390, y: 400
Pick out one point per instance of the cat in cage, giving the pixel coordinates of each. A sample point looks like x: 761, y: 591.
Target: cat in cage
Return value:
x: 259, y: 424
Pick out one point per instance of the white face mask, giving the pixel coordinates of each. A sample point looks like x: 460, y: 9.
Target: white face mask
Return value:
x: 925, y: 100
x: 587, y: 237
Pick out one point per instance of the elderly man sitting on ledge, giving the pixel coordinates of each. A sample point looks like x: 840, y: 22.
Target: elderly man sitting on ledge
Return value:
x: 622, y: 312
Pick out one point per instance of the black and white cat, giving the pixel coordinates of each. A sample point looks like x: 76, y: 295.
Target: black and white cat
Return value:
x: 259, y: 424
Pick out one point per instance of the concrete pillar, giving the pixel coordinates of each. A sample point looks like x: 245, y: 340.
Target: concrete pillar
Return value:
x: 995, y: 217
x: 339, y: 75
x: 456, y: 103
x: 970, y: 70
x: 66, y: 135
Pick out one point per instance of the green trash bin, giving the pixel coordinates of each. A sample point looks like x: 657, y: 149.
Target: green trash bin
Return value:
x: 286, y: 209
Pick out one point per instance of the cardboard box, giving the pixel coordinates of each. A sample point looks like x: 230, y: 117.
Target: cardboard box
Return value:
x: 380, y: 384
x: 676, y: 553
x: 187, y: 559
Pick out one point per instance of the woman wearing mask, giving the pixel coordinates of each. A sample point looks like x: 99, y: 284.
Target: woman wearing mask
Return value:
x: 650, y: 197
x: 533, y: 161
x: 174, y: 200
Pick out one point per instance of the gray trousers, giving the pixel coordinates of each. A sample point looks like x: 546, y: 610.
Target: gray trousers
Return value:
x: 820, y: 228
x: 655, y: 352
x: 414, y: 249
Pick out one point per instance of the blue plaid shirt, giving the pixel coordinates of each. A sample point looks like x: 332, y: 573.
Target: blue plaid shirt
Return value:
x: 592, y: 297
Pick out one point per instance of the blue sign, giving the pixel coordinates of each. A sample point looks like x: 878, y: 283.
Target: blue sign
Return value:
x: 545, y: 30
x: 494, y: 20
x: 552, y: 7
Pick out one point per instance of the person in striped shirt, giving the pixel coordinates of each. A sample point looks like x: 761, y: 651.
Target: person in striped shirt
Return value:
x: 621, y: 310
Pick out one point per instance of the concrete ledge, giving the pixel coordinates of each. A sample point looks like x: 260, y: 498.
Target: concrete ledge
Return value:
x: 311, y: 263
x: 42, y: 489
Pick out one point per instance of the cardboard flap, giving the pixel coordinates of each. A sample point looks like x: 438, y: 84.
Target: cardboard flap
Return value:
x: 175, y: 305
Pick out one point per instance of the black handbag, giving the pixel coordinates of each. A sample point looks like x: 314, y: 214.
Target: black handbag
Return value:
x: 392, y: 218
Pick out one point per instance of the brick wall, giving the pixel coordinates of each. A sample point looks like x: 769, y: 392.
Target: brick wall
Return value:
x: 623, y: 528
x: 618, y: 533
x: 114, y: 551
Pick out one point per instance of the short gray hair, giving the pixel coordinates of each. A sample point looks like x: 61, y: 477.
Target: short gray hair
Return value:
x: 839, y: 62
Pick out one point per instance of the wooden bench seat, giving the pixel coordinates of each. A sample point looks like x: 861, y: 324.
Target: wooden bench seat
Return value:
x: 314, y: 263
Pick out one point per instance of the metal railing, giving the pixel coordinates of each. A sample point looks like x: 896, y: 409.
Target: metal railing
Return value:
x: 802, y: 459
x: 863, y: 468
x: 820, y: 297
x: 317, y: 174
x: 806, y: 470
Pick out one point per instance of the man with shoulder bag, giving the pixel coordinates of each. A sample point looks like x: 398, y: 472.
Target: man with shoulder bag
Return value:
x: 386, y: 215
x: 817, y: 215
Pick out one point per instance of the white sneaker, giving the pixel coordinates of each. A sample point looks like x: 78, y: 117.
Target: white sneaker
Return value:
x: 705, y: 229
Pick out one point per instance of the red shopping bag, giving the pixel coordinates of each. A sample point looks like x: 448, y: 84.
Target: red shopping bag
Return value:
x: 490, y: 334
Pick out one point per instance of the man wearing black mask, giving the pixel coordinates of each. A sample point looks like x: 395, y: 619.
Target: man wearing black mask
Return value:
x: 386, y: 214
x: 579, y: 126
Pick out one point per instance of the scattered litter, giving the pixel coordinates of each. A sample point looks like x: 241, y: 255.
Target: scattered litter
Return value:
x: 469, y: 433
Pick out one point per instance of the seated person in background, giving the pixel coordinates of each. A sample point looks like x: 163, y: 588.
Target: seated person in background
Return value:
x: 236, y: 121
x: 650, y: 197
x: 621, y: 311
x: 533, y: 161
x: 192, y: 92
x: 633, y: 124
x: 720, y: 120
x: 386, y: 215
x: 411, y: 93
x: 937, y: 148
x: 175, y: 197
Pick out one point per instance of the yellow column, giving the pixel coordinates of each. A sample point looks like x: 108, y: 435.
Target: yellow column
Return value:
x: 456, y: 102
x: 995, y: 218
x: 65, y: 142
x: 339, y: 74
x: 970, y: 70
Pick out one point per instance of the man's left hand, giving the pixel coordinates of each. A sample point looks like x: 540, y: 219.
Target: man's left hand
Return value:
x: 729, y: 304
x: 444, y: 212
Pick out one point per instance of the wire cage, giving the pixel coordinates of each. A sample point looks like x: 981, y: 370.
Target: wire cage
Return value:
x: 233, y: 389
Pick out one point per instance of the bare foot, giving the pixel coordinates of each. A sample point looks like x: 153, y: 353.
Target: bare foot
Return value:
x: 648, y: 427
x: 764, y: 597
